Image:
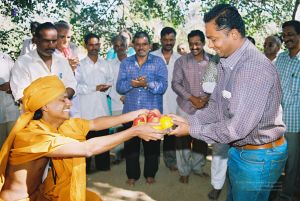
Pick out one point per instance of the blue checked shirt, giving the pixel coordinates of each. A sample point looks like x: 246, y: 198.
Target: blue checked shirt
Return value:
x: 156, y: 74
x: 289, y: 72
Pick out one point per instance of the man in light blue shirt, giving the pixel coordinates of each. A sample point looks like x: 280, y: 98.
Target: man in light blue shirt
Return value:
x: 288, y: 65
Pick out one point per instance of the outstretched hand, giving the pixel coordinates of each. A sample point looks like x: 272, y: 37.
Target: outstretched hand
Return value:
x: 147, y: 132
x: 134, y: 114
x: 182, y: 126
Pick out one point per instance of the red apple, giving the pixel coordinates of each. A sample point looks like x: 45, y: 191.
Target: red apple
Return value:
x: 139, y: 121
x: 153, y: 117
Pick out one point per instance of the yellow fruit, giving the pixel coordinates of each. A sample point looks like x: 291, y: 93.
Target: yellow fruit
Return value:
x: 165, y: 123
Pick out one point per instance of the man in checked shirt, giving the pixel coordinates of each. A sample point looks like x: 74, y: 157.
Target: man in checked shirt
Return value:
x: 244, y: 109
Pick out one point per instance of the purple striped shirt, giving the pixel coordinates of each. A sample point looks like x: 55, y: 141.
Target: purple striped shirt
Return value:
x: 245, y: 105
x: 187, y: 80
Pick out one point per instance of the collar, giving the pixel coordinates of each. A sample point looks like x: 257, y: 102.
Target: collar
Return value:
x: 205, y: 56
x: 36, y: 57
x: 231, y: 61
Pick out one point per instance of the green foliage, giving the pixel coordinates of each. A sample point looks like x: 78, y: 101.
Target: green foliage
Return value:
x: 107, y: 17
x: 257, y: 14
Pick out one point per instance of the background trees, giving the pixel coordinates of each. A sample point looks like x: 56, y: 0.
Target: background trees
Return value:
x: 106, y: 17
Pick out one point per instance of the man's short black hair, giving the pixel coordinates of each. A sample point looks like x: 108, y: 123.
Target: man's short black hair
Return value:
x: 141, y: 34
x: 197, y: 33
x: 226, y: 17
x: 38, y: 114
x: 89, y: 36
x: 292, y: 23
x: 46, y: 25
x: 252, y: 40
x: 33, y: 26
x: 167, y: 31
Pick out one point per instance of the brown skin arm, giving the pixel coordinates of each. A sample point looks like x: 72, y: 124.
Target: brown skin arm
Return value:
x: 102, y: 144
x: 5, y: 87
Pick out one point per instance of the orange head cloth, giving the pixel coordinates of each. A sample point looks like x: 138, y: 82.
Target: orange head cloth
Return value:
x: 39, y: 93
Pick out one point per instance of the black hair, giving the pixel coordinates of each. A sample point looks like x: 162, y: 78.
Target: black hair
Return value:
x: 141, y: 34
x: 38, y: 114
x: 197, y: 33
x: 46, y: 25
x: 166, y: 31
x: 89, y: 36
x: 155, y: 46
x: 292, y: 23
x: 33, y: 26
x: 251, y: 39
x: 227, y: 17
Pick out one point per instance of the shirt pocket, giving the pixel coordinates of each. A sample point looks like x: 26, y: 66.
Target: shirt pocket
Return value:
x: 295, y: 83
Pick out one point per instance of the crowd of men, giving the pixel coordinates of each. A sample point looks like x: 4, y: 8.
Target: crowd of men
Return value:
x: 242, y: 101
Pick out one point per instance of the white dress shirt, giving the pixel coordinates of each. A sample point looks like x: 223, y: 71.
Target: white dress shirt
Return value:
x: 30, y: 67
x: 88, y: 75
x: 116, y: 103
x: 169, y: 98
x: 27, y: 46
x: 8, y: 110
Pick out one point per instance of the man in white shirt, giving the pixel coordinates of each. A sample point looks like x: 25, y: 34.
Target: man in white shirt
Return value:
x: 8, y: 109
x: 94, y: 78
x: 168, y: 40
x: 29, y: 44
x: 41, y: 62
x: 120, y: 45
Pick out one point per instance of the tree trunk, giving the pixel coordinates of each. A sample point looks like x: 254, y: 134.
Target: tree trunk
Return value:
x: 295, y: 8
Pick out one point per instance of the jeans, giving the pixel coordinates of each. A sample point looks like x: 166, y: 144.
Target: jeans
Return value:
x: 252, y: 173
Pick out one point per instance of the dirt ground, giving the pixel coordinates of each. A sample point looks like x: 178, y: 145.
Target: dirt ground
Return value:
x: 112, y: 187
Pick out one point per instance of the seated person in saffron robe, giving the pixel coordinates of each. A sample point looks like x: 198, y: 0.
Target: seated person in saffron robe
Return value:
x: 45, y: 132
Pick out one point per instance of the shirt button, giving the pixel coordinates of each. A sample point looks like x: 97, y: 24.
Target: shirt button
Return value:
x: 138, y: 102
x: 140, y: 90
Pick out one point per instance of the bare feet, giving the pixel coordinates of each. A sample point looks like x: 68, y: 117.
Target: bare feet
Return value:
x: 150, y: 180
x: 184, y: 179
x: 131, y: 182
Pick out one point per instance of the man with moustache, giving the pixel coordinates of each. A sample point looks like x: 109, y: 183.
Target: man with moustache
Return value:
x: 288, y: 65
x: 41, y: 62
x: 272, y: 46
x: 143, y: 79
x: 94, y: 78
x: 187, y: 84
x: 168, y: 40
x: 244, y: 109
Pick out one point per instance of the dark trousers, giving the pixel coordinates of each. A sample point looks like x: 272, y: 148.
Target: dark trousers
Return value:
x: 187, y: 142
x: 102, y: 161
x: 132, y: 153
x: 169, y: 151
